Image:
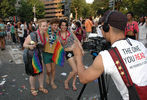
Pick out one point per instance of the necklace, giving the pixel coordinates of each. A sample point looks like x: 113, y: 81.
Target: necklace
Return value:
x: 67, y: 34
x: 52, y: 37
x: 43, y: 40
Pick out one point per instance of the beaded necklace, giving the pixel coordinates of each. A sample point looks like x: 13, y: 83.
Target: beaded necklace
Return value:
x: 64, y: 39
x: 43, y: 40
x: 52, y: 37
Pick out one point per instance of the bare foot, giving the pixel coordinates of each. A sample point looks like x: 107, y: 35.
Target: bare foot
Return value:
x: 74, y: 87
x: 66, y: 85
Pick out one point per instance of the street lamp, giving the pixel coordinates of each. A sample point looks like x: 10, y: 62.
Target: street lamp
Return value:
x: 34, y: 10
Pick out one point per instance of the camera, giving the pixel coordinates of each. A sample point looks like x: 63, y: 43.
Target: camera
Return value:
x: 96, y: 44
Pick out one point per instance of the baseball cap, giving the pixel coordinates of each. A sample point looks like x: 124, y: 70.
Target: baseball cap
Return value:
x: 116, y: 19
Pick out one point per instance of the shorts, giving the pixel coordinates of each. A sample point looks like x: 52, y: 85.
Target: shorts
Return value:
x: 47, y: 57
x: 69, y: 54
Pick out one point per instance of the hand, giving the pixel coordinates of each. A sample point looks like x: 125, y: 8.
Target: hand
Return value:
x: 31, y: 47
x: 77, y: 50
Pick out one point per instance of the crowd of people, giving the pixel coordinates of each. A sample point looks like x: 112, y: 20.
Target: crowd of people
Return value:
x: 119, y: 29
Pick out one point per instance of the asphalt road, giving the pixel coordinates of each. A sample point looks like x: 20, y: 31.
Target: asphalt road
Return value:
x: 14, y: 83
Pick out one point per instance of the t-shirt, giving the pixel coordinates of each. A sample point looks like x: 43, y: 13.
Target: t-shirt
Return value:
x: 12, y: 29
x: 88, y: 25
x: 135, y: 58
x: 48, y: 47
x: 142, y: 31
x: 131, y: 27
x: 99, y: 32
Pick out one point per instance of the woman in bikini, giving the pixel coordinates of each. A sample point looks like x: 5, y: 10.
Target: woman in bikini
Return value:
x: 67, y: 40
x: 38, y: 38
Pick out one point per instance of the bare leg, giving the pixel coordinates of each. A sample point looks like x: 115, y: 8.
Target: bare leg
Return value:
x: 3, y: 43
x: 74, y: 82
x: 72, y: 74
x: 53, y: 70
x: 32, y: 82
x: 48, y: 67
x: 32, y: 85
x: 41, y: 80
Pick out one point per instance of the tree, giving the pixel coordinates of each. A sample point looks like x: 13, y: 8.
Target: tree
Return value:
x: 25, y: 12
x: 78, y: 8
x: 99, y: 7
x: 7, y: 8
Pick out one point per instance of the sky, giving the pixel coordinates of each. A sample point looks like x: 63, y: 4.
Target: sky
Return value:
x: 89, y: 1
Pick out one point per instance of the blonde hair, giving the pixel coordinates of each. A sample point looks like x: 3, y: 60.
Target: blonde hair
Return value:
x: 40, y: 21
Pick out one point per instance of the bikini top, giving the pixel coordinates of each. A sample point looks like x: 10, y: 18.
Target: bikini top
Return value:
x: 68, y: 41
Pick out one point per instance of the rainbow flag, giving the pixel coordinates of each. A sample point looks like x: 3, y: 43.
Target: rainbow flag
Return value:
x: 58, y: 56
x: 37, y: 66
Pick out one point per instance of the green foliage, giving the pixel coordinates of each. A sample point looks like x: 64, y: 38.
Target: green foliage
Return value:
x: 99, y: 7
x: 138, y: 7
x: 25, y: 12
x: 81, y: 7
x: 7, y: 8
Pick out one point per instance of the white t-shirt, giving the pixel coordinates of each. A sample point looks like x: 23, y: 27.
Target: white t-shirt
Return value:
x: 20, y: 33
x: 142, y: 31
x: 22, y: 27
x: 135, y: 58
x: 99, y: 32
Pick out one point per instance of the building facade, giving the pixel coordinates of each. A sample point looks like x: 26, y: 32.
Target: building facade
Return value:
x: 53, y: 9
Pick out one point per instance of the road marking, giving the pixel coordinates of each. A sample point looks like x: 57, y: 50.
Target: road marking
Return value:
x: 16, y: 55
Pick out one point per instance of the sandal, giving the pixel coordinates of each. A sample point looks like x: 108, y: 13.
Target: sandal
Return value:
x: 54, y: 86
x: 66, y: 85
x: 34, y: 92
x: 43, y: 90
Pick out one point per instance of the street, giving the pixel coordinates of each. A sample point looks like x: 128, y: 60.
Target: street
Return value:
x: 14, y: 83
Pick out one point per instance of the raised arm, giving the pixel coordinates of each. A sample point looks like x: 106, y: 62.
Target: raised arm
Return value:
x: 92, y: 72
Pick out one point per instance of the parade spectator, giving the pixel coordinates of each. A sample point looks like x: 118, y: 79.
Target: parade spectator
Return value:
x: 8, y: 31
x: 73, y: 26
x: 142, y: 28
x: 88, y: 26
x: 113, y: 30
x: 49, y: 51
x: 2, y: 35
x: 20, y: 35
x: 78, y: 31
x: 13, y: 33
x: 67, y: 39
x: 30, y: 28
x: 132, y: 29
x: 39, y: 41
x: 98, y: 28
x: 25, y: 30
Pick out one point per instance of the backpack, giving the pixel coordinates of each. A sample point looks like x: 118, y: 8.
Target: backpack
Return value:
x: 28, y: 58
x: 135, y: 92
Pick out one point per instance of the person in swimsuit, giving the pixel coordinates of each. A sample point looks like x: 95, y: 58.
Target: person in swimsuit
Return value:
x: 67, y: 40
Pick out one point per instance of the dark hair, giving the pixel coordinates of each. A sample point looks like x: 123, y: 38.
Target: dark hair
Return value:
x: 54, y: 21
x: 61, y: 21
x: 130, y: 13
x: 1, y: 20
x: 78, y: 24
